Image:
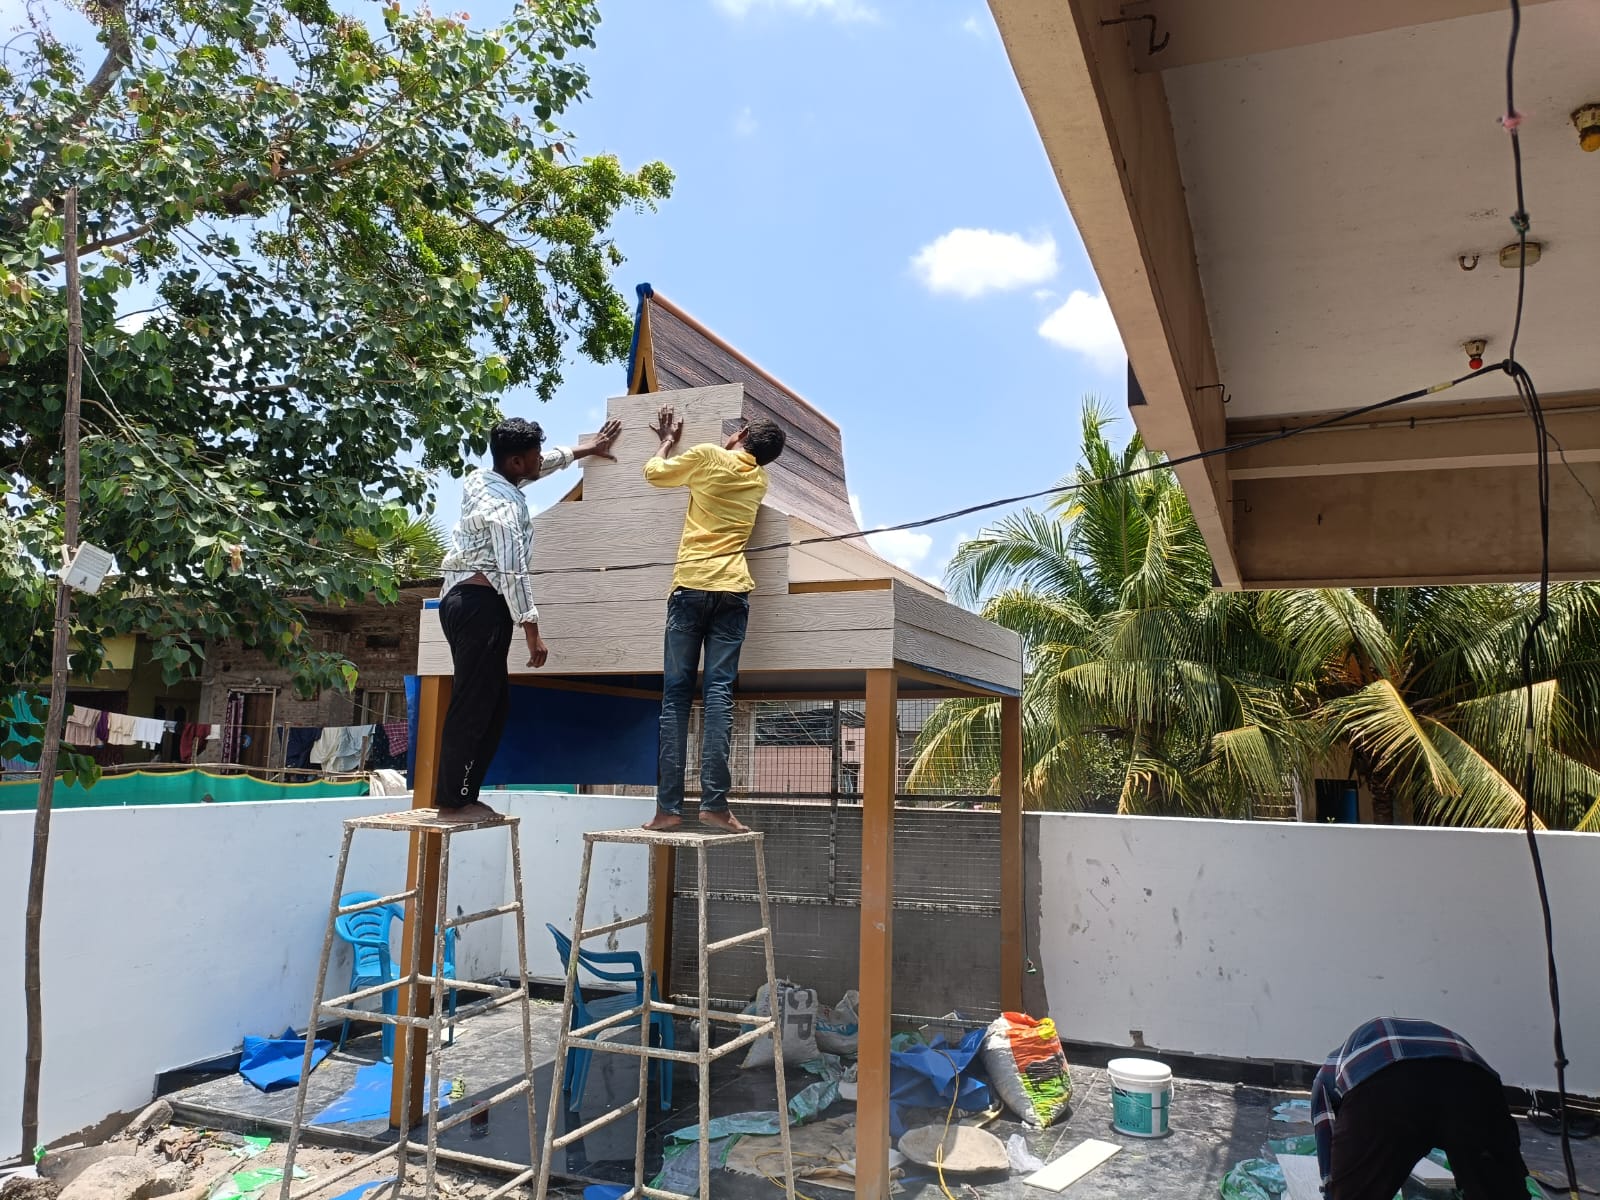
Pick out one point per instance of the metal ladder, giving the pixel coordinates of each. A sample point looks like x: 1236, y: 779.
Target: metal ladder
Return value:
x: 704, y: 1054
x: 429, y: 826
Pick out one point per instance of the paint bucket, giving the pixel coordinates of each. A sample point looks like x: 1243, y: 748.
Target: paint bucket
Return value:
x: 1141, y: 1096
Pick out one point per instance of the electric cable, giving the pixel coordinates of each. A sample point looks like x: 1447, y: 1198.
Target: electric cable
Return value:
x: 1530, y: 397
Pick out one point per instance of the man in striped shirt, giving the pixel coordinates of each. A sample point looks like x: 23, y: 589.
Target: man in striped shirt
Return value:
x: 488, y: 591
x: 1399, y: 1088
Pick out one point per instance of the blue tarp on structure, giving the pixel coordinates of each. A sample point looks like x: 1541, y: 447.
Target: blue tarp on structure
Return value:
x: 574, y: 737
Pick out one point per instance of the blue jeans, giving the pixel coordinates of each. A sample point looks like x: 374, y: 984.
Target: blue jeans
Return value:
x: 714, y: 622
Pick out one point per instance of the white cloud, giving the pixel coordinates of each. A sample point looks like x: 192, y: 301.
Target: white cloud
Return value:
x: 745, y: 123
x: 1084, y: 325
x: 838, y: 10
x: 970, y: 262
x: 905, y: 548
x: 1044, y: 294
x: 976, y: 26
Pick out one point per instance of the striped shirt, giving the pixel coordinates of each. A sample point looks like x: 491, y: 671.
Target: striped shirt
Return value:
x: 1377, y: 1044
x: 495, y: 536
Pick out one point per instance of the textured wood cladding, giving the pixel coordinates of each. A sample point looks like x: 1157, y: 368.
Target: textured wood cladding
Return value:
x: 808, y: 481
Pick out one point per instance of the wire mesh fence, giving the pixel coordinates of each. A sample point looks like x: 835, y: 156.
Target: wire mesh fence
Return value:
x: 812, y: 750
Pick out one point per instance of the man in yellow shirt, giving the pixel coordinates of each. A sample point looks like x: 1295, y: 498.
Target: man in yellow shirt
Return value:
x: 710, y: 605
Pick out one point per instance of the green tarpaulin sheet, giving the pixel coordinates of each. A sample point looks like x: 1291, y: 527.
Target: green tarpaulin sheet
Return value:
x: 170, y: 787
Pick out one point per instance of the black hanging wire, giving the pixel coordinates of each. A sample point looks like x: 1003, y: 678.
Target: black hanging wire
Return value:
x: 1530, y: 399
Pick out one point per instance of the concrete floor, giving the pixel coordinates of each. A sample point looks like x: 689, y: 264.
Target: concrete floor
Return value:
x: 1214, y: 1125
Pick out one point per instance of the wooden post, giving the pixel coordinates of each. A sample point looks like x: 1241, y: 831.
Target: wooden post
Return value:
x: 877, y: 941
x: 1012, y: 900
x: 663, y: 893
x: 422, y: 872
x: 55, y: 719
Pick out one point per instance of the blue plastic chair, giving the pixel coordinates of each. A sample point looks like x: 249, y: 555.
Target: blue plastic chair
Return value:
x: 586, y: 1011
x: 371, y: 963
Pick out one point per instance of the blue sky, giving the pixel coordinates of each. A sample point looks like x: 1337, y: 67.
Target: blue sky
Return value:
x: 863, y: 207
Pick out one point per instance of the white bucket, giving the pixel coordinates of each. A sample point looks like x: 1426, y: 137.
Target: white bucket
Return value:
x: 1141, y: 1096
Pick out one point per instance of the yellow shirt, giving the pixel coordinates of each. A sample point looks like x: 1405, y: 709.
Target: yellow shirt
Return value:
x: 725, y: 491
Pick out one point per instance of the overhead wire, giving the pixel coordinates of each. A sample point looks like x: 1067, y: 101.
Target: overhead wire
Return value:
x: 1529, y: 394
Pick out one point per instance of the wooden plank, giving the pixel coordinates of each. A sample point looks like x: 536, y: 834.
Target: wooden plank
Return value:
x: 876, y: 971
x: 947, y: 656
x: 1011, y: 851
x: 1072, y: 1166
x: 703, y: 411
x: 840, y: 585
x: 1303, y: 1176
x: 850, y: 558
x: 664, y: 877
x: 925, y: 682
x: 851, y: 649
x: 912, y: 606
x: 571, y: 541
x: 784, y: 613
x: 422, y: 871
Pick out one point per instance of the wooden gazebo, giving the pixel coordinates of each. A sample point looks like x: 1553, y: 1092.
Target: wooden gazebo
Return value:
x: 829, y: 620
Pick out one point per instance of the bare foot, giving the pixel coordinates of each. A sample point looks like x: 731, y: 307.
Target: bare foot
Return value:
x: 724, y: 821
x: 662, y: 822
x: 467, y: 813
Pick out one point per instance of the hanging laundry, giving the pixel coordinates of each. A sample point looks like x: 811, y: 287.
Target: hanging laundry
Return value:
x: 327, y: 739
x: 232, y: 727
x: 192, y: 741
x: 81, y: 724
x: 398, y: 733
x: 302, y: 739
x: 120, y: 729
x: 344, y: 748
x: 148, y: 732
x: 382, y: 755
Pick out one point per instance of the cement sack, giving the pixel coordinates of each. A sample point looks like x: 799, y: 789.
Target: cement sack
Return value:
x: 839, y: 1027
x: 797, y: 1022
x: 1027, y: 1068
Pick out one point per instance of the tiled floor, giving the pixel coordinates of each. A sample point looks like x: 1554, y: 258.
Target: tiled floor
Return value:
x: 1214, y: 1125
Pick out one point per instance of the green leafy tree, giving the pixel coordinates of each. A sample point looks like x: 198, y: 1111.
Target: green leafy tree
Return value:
x: 1423, y: 686
x: 1146, y: 691
x: 345, y: 234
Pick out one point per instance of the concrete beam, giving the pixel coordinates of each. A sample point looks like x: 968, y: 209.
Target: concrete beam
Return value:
x: 1454, y: 525
x: 1201, y: 31
x: 1108, y: 134
x: 1463, y: 442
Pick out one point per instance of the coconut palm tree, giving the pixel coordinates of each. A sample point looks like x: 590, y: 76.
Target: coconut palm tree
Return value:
x: 1149, y: 692
x: 1424, y: 687
x: 414, y: 547
x: 1146, y: 690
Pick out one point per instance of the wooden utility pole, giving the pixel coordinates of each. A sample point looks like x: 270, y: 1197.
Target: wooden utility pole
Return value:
x: 50, y: 751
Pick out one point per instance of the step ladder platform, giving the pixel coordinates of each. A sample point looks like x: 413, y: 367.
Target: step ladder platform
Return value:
x: 432, y: 820
x: 684, y: 835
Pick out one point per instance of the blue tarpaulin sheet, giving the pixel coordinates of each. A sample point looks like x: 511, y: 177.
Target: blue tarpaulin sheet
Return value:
x: 273, y: 1063
x: 570, y: 737
x: 926, y: 1076
x: 368, y: 1097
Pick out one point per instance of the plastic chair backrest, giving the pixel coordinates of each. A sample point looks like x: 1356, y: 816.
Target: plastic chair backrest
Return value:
x: 367, y: 932
x: 601, y: 963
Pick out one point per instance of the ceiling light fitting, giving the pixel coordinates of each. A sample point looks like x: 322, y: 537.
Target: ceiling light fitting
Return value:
x: 1509, y: 255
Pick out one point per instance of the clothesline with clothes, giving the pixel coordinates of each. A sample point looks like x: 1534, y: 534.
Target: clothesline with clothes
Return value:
x: 342, y: 749
x: 88, y: 728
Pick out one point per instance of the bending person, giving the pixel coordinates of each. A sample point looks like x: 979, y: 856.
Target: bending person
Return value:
x: 1397, y: 1089
x: 487, y: 593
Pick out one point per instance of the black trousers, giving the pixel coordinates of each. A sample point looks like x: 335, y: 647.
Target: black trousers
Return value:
x: 1389, y: 1122
x: 478, y: 626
